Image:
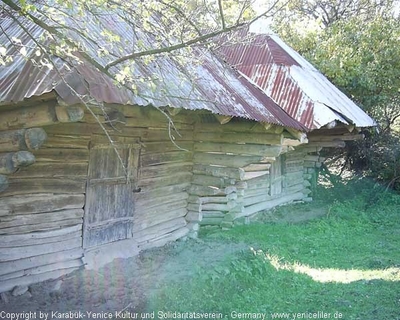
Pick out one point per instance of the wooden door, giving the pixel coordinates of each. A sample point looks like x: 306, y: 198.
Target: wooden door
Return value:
x: 110, y: 207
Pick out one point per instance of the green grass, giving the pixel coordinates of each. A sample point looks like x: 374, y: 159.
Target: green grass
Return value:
x: 355, y: 247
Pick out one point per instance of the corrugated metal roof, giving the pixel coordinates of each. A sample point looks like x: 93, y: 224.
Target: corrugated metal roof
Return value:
x: 210, y: 84
x: 292, y: 82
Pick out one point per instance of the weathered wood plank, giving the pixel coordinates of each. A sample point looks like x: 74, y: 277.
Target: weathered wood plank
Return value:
x: 41, y: 227
x: 40, y: 260
x: 205, y: 190
x: 234, y: 161
x: 67, y: 141
x: 165, y: 180
x: 19, y: 240
x: 76, y: 263
x: 54, y: 170
x: 161, y: 200
x: 235, y: 127
x: 222, y: 172
x: 158, y: 147
x: 22, y: 139
x: 203, y: 180
x: 151, y: 192
x: 9, y: 254
x: 255, y: 174
x: 165, y: 169
x: 151, y: 219
x: 62, y: 155
x: 167, y: 157
x: 256, y: 138
x: 32, y: 186
x: 142, y: 235
x: 164, y: 239
x: 39, y: 218
x: 38, y: 203
x: 269, y: 204
x: 242, y: 149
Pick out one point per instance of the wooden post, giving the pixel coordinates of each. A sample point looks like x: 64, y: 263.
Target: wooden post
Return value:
x: 10, y: 162
x: 22, y: 139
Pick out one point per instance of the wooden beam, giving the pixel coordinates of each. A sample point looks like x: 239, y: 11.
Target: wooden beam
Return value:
x: 223, y: 119
x: 22, y: 139
x: 38, y: 116
x: 10, y: 162
x: 301, y: 136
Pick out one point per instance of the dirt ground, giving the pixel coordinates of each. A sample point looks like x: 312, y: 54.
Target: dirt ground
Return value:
x: 123, y: 284
x: 126, y: 284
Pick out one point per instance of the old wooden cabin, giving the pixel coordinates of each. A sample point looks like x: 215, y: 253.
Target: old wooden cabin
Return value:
x: 90, y: 172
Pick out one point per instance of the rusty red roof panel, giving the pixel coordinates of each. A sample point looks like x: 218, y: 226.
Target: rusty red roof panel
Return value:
x: 209, y: 84
x: 293, y: 83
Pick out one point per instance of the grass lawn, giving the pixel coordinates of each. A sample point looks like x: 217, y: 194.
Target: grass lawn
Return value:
x: 344, y: 265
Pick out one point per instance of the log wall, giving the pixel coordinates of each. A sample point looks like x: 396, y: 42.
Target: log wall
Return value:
x: 237, y: 172
x: 42, y: 198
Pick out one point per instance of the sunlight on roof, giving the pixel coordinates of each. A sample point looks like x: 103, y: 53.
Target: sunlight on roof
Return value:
x: 333, y: 275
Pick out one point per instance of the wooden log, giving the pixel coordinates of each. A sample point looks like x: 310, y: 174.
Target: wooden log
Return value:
x: 241, y: 149
x: 34, y: 186
x: 213, y: 214
x: 39, y: 203
x: 41, y: 227
x: 9, y: 254
x: 165, y: 169
x: 256, y: 138
x: 222, y: 119
x: 255, y: 174
x: 203, y: 180
x: 256, y: 192
x: 62, y: 155
x: 42, y: 269
x: 158, y: 230
x: 222, y: 172
x: 162, y: 181
x: 205, y: 190
x: 211, y: 221
x: 22, y: 139
x: 28, y: 280
x: 234, y: 161
x: 328, y: 144
x: 151, y: 192
x: 40, y: 260
x: 344, y: 137
x: 220, y: 206
x: 248, y: 201
x: 66, y: 141
x: 37, y: 116
x: 233, y: 127
x: 294, y: 188
x: 195, y: 207
x: 194, y: 216
x: 69, y: 113
x: 53, y: 170
x: 19, y: 240
x: 39, y: 218
x: 271, y: 203
x: 168, y: 157
x: 149, y: 221
x: 230, y: 189
x: 3, y: 183
x: 164, y: 239
x: 215, y: 199
x: 10, y: 162
x: 257, y: 167
x: 157, y: 147
x: 153, y: 202
x: 300, y: 136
